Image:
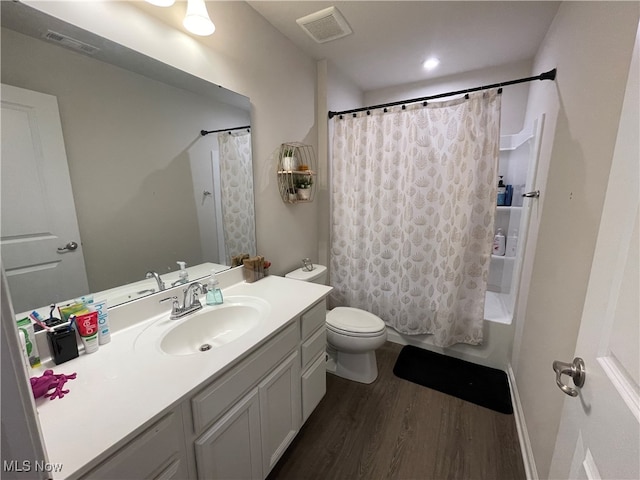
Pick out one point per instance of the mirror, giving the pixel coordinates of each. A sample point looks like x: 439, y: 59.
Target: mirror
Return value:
x: 149, y: 189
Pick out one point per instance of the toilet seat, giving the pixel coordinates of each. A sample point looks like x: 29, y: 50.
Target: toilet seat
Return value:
x: 354, y: 322
x: 347, y: 333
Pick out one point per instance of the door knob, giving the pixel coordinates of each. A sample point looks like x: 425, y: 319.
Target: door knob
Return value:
x: 575, y: 370
x: 69, y: 247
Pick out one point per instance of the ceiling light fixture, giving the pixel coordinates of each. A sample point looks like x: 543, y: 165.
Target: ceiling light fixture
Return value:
x: 197, y: 19
x: 431, y: 63
x: 161, y: 3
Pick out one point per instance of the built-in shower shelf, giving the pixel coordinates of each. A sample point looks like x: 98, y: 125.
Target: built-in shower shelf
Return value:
x: 507, y: 209
x: 512, y: 142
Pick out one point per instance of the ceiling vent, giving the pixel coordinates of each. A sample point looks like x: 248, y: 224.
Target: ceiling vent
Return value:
x: 325, y: 25
x: 72, y: 43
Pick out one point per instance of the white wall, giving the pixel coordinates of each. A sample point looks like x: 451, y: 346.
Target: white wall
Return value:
x: 246, y: 55
x: 335, y: 92
x: 514, y: 97
x: 590, y: 43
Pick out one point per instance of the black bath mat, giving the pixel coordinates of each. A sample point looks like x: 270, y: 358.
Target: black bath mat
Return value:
x: 484, y: 386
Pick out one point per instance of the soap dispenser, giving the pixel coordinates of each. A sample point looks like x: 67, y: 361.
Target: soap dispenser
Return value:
x: 183, y: 275
x: 214, y: 294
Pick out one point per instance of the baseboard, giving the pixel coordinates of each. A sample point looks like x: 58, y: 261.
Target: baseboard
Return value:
x: 523, y: 434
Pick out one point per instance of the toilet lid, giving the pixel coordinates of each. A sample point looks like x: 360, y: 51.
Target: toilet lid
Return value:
x: 354, y: 320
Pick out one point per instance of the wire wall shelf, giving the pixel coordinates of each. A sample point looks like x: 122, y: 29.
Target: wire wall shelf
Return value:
x: 296, y: 172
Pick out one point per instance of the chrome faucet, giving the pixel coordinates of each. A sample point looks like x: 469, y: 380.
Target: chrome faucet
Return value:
x: 307, y: 266
x: 190, y: 302
x: 153, y: 274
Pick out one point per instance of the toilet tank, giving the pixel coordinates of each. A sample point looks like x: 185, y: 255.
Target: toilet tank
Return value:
x: 317, y: 275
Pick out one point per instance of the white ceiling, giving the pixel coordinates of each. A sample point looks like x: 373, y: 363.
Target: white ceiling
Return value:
x: 391, y: 39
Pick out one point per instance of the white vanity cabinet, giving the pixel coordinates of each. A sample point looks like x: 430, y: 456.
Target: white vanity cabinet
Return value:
x: 239, y: 424
x: 250, y: 438
x: 158, y: 452
x: 245, y: 420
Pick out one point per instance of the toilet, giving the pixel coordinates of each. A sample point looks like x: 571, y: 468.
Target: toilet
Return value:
x: 353, y: 335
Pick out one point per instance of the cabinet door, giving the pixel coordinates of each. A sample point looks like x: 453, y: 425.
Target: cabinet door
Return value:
x: 279, y: 410
x: 314, y: 385
x: 231, y: 447
x: 158, y: 452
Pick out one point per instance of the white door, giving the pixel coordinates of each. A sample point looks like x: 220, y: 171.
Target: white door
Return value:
x: 600, y: 428
x: 38, y: 211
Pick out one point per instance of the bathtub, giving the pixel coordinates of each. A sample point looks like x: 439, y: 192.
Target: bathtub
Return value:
x: 497, y: 336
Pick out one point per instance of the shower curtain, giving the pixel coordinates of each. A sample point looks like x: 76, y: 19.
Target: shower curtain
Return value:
x: 413, y: 205
x: 236, y: 183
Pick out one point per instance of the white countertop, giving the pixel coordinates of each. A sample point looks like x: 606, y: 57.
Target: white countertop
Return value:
x: 121, y: 387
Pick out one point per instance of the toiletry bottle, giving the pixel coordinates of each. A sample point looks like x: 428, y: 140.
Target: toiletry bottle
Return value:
x: 104, y: 332
x: 214, y: 294
x: 183, y: 275
x: 502, y: 192
x: 508, y: 196
x: 512, y: 244
x: 499, y: 243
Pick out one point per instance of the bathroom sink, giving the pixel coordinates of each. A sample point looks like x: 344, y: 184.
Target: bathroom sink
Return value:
x: 215, y: 326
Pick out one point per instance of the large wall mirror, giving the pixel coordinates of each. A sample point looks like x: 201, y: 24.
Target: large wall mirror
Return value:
x: 148, y: 189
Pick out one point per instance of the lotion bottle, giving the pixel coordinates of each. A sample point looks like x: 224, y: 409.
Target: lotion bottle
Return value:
x: 499, y: 243
x: 214, y: 294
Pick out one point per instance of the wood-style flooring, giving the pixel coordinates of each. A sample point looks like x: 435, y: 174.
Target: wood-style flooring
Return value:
x: 394, y: 429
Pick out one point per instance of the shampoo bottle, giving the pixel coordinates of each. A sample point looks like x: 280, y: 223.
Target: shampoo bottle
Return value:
x: 512, y: 244
x: 502, y: 192
x: 499, y: 243
x: 214, y: 294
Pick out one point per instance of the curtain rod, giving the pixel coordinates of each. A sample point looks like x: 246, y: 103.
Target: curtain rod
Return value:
x: 550, y: 75
x: 205, y: 132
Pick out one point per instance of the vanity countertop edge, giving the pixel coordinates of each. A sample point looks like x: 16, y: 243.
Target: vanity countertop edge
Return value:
x: 119, y: 390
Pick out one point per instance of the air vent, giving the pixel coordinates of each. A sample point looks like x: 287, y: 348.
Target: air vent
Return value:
x: 325, y: 25
x: 72, y: 43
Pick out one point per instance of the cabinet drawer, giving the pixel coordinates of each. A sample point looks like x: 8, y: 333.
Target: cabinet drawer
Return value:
x: 158, y: 452
x: 313, y: 346
x: 312, y: 319
x: 212, y: 402
x: 314, y: 386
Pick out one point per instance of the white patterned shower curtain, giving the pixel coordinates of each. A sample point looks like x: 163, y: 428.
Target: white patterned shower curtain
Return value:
x: 413, y: 205
x: 236, y: 183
